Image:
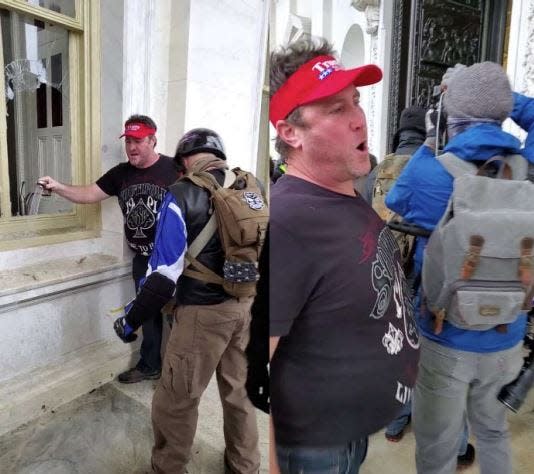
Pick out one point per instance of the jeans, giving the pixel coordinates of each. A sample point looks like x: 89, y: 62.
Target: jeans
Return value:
x: 152, y: 329
x: 451, y: 383
x: 403, y: 418
x: 345, y: 459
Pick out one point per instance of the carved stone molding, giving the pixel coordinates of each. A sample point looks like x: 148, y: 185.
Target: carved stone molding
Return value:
x: 372, y: 13
x: 361, y: 5
x: 297, y: 27
x: 399, y: 7
x: 529, y: 56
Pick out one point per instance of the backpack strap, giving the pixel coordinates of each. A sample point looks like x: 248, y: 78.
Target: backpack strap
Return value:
x: 211, y: 226
x: 518, y: 166
x: 472, y: 257
x: 456, y: 166
x: 514, y: 167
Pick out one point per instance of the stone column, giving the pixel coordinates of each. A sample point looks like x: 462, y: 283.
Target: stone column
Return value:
x: 371, y: 8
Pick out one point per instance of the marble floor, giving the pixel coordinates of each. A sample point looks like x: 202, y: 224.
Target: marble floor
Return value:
x: 108, y: 432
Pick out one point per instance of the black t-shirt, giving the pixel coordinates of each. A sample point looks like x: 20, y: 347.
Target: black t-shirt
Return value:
x: 140, y: 192
x: 346, y: 360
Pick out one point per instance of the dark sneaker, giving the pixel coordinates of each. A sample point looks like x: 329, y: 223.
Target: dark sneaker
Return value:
x: 466, y: 460
x: 135, y: 375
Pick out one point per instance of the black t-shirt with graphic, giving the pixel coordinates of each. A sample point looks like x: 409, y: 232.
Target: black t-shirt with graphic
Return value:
x: 347, y: 356
x: 140, y: 192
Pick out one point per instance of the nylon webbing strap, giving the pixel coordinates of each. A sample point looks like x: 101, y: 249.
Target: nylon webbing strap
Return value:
x: 209, y: 229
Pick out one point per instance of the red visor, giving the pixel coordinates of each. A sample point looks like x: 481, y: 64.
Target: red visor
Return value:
x: 321, y: 77
x: 138, y: 130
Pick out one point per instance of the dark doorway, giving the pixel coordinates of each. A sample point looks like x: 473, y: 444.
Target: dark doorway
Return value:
x: 430, y: 36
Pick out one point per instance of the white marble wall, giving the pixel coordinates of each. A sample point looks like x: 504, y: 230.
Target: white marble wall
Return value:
x: 225, y: 64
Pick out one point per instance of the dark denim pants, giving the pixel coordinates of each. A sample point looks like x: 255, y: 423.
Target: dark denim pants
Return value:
x: 152, y: 329
x: 344, y: 459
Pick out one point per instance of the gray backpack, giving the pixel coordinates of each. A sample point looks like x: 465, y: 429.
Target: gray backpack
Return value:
x: 478, y: 264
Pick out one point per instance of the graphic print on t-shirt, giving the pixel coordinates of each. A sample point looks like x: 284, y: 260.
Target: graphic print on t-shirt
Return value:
x: 388, y: 281
x: 140, y: 204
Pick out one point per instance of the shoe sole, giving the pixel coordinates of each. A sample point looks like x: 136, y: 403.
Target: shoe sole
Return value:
x: 394, y: 438
x: 146, y: 377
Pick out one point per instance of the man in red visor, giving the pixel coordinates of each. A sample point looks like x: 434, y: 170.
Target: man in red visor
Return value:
x: 344, y: 343
x: 140, y: 185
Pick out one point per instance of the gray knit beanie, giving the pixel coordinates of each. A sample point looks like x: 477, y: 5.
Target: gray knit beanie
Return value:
x: 479, y: 91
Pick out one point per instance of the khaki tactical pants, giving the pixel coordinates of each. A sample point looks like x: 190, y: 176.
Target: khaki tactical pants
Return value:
x: 204, y: 340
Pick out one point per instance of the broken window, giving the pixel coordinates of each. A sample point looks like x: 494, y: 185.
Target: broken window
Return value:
x: 36, y: 76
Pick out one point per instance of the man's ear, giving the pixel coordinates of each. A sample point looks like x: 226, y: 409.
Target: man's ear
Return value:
x: 288, y: 133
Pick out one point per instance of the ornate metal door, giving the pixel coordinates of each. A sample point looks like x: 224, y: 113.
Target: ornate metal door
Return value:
x: 432, y: 35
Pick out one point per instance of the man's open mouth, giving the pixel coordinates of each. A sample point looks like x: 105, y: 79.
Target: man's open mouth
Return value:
x: 362, y: 146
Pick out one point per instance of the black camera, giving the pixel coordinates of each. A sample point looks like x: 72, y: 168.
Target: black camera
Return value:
x: 513, y: 394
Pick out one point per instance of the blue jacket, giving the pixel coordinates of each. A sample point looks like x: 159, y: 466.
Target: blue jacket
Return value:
x: 422, y: 192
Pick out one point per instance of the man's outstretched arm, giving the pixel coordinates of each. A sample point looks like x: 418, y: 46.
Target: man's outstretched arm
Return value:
x: 79, y: 194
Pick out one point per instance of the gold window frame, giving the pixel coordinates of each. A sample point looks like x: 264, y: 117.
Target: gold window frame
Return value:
x: 84, y: 73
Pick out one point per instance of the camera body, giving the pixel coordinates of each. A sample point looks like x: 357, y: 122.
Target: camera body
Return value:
x: 513, y: 394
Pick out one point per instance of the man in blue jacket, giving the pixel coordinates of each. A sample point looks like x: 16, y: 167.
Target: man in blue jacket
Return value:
x: 462, y: 370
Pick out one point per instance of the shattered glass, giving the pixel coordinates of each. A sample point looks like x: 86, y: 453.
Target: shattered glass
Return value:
x: 36, y: 77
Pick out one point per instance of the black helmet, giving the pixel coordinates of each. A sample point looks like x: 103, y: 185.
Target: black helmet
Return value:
x: 200, y: 140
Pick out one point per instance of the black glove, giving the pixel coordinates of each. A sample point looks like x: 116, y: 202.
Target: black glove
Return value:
x: 124, y: 330
x: 257, y: 385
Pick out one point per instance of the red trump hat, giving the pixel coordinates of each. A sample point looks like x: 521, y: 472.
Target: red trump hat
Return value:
x: 321, y: 77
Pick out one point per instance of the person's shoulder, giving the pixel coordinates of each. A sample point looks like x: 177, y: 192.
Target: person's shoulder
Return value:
x: 165, y: 161
x: 120, y: 168
x: 181, y: 183
x: 293, y: 200
x: 165, y: 158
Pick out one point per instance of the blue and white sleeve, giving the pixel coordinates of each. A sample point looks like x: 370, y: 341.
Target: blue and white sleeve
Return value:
x: 170, y: 245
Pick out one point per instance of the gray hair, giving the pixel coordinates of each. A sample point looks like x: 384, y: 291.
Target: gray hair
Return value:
x: 284, y: 62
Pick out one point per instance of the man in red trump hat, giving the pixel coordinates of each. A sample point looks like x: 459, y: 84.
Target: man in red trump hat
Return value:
x: 140, y: 185
x: 344, y: 343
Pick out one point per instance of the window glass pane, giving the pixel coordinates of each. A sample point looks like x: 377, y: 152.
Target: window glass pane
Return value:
x: 65, y: 7
x: 37, y: 96
x: 57, y: 97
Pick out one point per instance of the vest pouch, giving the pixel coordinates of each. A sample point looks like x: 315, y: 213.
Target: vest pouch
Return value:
x: 482, y: 305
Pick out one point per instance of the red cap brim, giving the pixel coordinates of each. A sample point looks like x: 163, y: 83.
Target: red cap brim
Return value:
x: 138, y: 130
x: 137, y: 134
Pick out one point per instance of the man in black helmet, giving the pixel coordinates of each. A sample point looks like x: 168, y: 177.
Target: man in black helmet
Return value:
x: 140, y: 185
x: 211, y: 328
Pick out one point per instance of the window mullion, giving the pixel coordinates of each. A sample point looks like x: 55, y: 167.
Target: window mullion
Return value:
x: 5, y: 200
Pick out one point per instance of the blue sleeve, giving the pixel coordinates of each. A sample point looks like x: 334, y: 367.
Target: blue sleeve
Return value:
x: 170, y: 243
x: 422, y: 190
x: 523, y: 115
